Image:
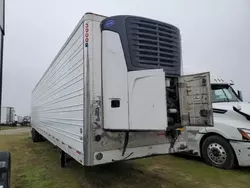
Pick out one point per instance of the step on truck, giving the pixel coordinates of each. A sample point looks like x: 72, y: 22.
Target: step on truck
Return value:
x: 115, y: 92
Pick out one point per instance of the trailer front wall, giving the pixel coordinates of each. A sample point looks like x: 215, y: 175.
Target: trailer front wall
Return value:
x: 57, y: 100
x: 104, y: 146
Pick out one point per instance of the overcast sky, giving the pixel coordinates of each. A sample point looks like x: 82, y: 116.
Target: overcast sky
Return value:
x: 215, y: 37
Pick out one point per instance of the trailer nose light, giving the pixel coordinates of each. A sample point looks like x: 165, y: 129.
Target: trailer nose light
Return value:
x: 245, y: 134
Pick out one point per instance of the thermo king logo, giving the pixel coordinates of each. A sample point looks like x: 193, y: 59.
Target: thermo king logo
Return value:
x: 109, y: 23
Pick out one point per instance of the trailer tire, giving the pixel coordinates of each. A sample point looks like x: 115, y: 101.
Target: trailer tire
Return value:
x: 6, y: 157
x: 217, y: 152
x: 35, y: 136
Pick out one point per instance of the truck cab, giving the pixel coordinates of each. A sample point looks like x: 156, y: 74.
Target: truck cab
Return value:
x: 227, y: 143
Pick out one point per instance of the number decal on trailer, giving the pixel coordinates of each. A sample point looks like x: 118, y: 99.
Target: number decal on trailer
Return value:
x: 86, y: 35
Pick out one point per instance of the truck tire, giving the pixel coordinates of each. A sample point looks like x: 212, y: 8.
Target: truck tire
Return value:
x: 35, y: 136
x: 217, y: 152
x: 6, y: 157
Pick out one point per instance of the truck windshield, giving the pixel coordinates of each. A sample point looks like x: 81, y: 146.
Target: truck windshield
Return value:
x: 223, y: 93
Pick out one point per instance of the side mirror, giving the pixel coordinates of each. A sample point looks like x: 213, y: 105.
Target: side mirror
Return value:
x: 5, y: 169
x: 240, y: 96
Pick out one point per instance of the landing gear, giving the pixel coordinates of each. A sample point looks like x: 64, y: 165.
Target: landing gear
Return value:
x: 65, y: 158
x: 35, y: 136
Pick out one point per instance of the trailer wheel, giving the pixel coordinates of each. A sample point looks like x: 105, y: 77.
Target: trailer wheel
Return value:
x: 5, y: 157
x: 35, y: 136
x: 217, y: 152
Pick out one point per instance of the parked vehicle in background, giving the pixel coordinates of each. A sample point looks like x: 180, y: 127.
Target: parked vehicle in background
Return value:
x: 26, y: 121
x: 7, y: 115
x: 15, y: 120
x: 115, y: 92
x: 19, y: 120
x: 227, y: 143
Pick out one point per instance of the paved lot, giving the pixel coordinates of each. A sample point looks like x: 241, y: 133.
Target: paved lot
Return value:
x: 15, y: 131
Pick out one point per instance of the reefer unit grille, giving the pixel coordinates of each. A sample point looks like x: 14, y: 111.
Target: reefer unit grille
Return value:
x: 147, y: 44
x: 154, y: 44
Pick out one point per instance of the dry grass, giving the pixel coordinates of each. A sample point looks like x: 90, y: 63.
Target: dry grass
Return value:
x: 36, y: 165
x: 4, y: 127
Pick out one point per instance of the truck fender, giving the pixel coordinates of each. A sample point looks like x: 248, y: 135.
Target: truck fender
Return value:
x: 211, y: 131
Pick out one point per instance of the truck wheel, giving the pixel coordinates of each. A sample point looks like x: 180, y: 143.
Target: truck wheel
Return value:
x: 35, y: 136
x: 6, y: 157
x: 217, y: 152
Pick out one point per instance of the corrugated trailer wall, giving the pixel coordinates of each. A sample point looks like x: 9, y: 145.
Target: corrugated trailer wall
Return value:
x: 57, y: 100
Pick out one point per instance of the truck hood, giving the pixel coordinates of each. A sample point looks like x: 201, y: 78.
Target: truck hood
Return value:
x: 237, y: 114
x: 241, y: 106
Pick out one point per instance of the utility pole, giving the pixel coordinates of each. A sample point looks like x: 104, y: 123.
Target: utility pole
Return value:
x: 2, y: 33
x: 5, y: 157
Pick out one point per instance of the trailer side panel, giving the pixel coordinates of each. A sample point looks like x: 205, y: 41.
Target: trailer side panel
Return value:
x: 57, y: 100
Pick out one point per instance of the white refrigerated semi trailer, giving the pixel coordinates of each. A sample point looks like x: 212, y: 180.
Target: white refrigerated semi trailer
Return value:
x: 7, y: 115
x: 115, y: 92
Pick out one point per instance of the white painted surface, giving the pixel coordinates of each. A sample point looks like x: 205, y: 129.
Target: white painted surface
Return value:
x: 219, y: 80
x: 72, y: 151
x: 57, y: 100
x: 132, y: 153
x: 4, y: 111
x: 141, y: 95
x: 147, y: 100
x: 242, y: 152
x: 7, y: 115
x: 115, y: 82
x: 19, y: 119
x: 242, y: 106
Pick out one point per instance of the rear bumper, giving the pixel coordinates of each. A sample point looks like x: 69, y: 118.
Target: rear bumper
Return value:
x: 138, y: 152
x: 242, y: 152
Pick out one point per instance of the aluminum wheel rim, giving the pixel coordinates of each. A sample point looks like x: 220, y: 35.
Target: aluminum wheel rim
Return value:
x: 216, y: 153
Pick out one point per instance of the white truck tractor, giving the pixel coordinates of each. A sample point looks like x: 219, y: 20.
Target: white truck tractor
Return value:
x: 227, y: 143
